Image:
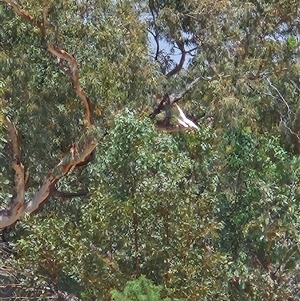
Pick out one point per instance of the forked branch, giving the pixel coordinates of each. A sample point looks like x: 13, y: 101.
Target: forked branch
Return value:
x: 18, y: 207
x: 79, y: 156
x: 168, y: 100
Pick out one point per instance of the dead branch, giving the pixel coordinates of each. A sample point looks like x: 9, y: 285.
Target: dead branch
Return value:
x: 281, y: 97
x: 168, y: 100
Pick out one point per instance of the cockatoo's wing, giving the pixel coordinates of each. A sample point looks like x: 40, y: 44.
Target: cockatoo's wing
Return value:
x: 182, y: 123
x: 192, y: 124
x: 183, y: 120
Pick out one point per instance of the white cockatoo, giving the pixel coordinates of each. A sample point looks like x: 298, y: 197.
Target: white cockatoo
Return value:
x: 184, y: 121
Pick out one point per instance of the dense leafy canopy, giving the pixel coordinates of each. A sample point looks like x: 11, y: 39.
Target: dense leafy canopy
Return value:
x: 212, y: 214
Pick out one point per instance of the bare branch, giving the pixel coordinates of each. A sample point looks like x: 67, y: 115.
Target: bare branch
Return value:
x: 175, y: 98
x: 79, y: 156
x: 24, y: 14
x: 74, y: 75
x: 191, y: 50
x: 280, y: 95
x: 19, y: 178
x: 155, y: 35
x: 86, y: 146
x: 179, y: 66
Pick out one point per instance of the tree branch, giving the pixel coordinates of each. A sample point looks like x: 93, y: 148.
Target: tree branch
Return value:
x: 79, y: 154
x: 67, y: 195
x: 168, y: 100
x: 61, y: 55
x: 179, y: 66
x: 19, y: 177
x: 176, y: 97
x: 17, y: 8
x: 74, y: 75
x: 156, y: 39
x: 154, y: 12
x: 86, y: 145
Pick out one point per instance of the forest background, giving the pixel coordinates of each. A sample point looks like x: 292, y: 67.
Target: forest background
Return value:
x: 99, y: 183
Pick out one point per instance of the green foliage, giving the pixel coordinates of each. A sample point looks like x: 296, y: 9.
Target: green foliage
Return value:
x: 207, y: 215
x: 140, y: 289
x: 254, y: 208
x: 151, y: 182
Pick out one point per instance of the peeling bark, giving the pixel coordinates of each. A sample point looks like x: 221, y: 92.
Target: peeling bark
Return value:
x: 79, y: 156
x: 18, y: 208
x: 19, y: 179
x: 74, y: 75
x: 72, y: 71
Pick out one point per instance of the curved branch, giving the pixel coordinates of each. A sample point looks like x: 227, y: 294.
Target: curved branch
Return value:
x: 86, y: 145
x: 155, y: 37
x: 61, y: 55
x: 154, y: 12
x: 179, y: 66
x: 21, y: 12
x: 79, y: 154
x: 19, y: 178
x: 74, y: 75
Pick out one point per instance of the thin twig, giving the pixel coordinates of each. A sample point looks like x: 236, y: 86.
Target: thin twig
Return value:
x: 280, y: 95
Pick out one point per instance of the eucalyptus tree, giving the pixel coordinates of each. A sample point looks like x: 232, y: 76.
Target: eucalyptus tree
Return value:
x: 79, y: 81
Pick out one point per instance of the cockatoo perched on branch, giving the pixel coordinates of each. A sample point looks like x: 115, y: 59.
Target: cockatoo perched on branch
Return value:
x: 184, y: 121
